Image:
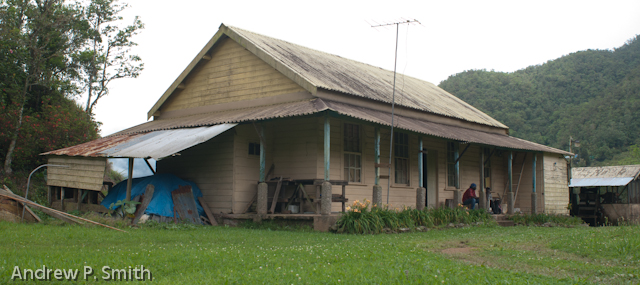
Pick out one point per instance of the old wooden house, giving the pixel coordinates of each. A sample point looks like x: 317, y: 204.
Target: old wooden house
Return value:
x: 322, y: 123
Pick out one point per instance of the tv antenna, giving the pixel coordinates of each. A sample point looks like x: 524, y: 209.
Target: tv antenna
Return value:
x: 393, y: 96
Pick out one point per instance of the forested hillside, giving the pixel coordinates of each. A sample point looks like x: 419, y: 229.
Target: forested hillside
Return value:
x: 592, y: 95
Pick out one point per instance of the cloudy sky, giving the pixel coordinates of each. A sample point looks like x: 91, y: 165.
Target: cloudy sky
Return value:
x: 453, y: 36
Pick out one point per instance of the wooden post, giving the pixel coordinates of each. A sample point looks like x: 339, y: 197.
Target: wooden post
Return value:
x: 263, y: 156
x: 534, y: 198
x: 482, y: 193
x: 62, y: 199
x: 49, y: 195
x: 421, y: 192
x: 79, y: 199
x: 420, y: 164
x: 510, y: 202
x: 327, y: 147
x: 129, y: 179
x: 377, y: 155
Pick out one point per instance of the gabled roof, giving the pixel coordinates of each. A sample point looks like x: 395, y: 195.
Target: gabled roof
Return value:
x: 313, y: 70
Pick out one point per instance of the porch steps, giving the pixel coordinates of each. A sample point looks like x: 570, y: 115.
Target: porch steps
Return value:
x: 503, y: 221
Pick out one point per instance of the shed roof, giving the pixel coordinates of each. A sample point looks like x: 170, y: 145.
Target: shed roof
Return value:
x: 618, y: 175
x: 155, y: 144
x: 314, y: 69
x: 294, y: 109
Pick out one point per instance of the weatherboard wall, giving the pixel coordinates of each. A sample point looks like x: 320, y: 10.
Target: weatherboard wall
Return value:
x: 81, y: 172
x: 232, y: 74
x: 210, y: 165
x: 556, y: 186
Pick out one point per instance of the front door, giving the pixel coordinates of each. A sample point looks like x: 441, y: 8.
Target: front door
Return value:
x: 429, y: 165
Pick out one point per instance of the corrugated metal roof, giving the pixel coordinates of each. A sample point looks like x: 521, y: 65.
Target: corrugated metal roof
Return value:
x: 619, y: 171
x: 314, y: 69
x: 333, y: 72
x: 308, y: 107
x: 155, y: 144
x: 592, y: 182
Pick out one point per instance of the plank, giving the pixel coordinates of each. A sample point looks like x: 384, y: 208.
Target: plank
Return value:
x: 207, y: 211
x: 52, y: 212
x: 148, y: 195
x: 25, y: 207
x: 250, y: 203
x: 184, y: 204
x: 275, y: 196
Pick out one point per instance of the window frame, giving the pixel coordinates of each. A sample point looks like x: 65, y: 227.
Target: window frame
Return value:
x: 404, y: 157
x: 452, y: 178
x: 348, y: 153
x: 487, y: 167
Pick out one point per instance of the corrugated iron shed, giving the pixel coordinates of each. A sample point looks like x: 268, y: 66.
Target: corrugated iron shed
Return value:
x: 314, y: 70
x: 140, y: 141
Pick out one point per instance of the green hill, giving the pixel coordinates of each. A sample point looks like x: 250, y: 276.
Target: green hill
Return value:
x: 592, y: 95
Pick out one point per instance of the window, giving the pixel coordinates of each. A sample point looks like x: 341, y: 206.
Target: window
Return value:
x: 487, y: 168
x: 452, y: 172
x: 401, y: 153
x: 254, y: 149
x: 352, y: 153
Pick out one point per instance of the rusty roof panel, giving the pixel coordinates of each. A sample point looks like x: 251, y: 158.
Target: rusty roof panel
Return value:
x: 93, y: 148
x: 332, y: 72
x: 156, y: 145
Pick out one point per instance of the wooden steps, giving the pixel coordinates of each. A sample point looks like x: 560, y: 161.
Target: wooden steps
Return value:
x: 503, y: 221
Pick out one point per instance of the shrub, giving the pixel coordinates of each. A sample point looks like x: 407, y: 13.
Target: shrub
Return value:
x: 359, y: 219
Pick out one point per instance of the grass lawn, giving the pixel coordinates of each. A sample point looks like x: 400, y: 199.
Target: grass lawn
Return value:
x: 221, y: 255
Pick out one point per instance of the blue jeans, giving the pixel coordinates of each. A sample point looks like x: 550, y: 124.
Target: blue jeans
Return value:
x: 472, y: 202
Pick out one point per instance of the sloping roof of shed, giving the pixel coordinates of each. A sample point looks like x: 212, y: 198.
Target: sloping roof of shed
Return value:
x: 617, y: 171
x: 155, y: 144
x: 301, y: 108
x: 618, y: 175
x: 314, y: 69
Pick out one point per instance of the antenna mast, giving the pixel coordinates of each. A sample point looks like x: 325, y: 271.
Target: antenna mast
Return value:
x: 393, y: 96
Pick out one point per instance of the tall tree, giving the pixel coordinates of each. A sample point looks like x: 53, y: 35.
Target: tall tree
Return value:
x: 39, y: 35
x: 106, y: 56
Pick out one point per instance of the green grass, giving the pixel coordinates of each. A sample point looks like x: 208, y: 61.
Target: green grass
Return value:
x: 222, y: 255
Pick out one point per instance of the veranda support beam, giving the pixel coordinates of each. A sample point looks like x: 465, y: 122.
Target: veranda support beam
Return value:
x: 129, y: 179
x: 327, y: 146
x: 377, y: 154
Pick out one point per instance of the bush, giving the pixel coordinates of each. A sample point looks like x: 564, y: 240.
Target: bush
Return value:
x: 359, y: 219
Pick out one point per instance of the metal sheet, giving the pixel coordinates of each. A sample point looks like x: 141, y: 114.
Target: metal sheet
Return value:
x: 155, y: 144
x: 606, y: 171
x: 163, y: 137
x: 332, y: 72
x: 592, y: 182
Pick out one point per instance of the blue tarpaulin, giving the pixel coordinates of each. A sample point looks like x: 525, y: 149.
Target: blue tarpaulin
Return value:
x: 161, y: 203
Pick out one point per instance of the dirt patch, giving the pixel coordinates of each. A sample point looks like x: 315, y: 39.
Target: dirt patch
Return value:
x: 458, y: 250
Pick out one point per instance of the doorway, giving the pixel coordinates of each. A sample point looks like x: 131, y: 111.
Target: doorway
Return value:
x: 429, y: 176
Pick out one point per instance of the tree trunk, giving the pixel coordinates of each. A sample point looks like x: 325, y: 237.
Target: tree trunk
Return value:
x: 12, y: 145
x: 14, y: 139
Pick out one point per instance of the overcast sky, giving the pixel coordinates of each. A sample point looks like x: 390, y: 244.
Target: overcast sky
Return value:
x: 454, y: 36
